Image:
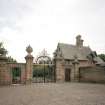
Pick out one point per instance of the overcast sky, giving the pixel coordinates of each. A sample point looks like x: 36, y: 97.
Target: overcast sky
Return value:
x: 44, y: 23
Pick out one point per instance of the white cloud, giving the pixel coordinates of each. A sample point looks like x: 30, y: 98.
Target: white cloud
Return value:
x: 44, y: 23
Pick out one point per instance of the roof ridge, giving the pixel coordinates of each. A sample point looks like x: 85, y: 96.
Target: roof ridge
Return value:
x: 69, y: 50
x: 72, y: 45
x: 66, y: 44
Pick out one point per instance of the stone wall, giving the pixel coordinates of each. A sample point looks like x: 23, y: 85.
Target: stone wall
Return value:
x: 85, y: 63
x: 60, y: 70
x: 5, y: 77
x: 92, y: 74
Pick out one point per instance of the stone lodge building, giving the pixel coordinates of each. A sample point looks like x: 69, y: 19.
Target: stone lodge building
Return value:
x: 71, y: 63
x: 78, y: 63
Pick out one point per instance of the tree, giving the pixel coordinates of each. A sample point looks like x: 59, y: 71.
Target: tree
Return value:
x: 10, y: 59
x: 3, y: 52
x: 102, y: 56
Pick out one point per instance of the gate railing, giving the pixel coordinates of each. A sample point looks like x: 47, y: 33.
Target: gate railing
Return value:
x: 17, y: 72
x: 43, y: 73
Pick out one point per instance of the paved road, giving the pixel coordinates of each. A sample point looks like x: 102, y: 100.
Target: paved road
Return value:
x: 53, y: 94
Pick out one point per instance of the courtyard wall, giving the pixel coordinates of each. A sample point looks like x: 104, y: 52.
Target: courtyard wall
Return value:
x: 92, y: 74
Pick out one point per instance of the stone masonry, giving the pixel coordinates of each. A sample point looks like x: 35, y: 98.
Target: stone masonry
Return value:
x: 29, y: 65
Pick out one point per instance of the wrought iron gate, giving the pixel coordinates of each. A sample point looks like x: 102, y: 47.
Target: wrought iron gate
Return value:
x: 43, y: 73
x: 43, y: 70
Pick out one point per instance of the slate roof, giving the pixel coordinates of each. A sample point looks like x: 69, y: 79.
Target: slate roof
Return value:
x: 99, y: 60
x: 69, y: 51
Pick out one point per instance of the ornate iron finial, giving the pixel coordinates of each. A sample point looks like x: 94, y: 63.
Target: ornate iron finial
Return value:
x: 29, y: 49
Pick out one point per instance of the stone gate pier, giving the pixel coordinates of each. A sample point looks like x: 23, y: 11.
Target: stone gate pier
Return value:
x: 29, y: 65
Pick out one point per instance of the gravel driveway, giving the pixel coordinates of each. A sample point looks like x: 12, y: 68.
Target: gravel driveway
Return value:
x: 53, y: 94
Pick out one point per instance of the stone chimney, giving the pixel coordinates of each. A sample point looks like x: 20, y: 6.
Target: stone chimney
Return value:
x: 79, y: 41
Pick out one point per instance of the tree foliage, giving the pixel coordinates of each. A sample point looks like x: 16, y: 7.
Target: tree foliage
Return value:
x: 42, y: 70
x: 3, y: 52
x: 10, y: 59
x: 102, y: 56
